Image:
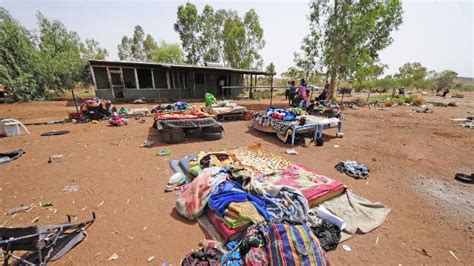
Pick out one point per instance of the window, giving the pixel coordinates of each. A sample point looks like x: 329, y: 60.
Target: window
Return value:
x: 144, y: 78
x: 101, y: 78
x: 129, y: 78
x: 159, y: 75
x: 200, y: 79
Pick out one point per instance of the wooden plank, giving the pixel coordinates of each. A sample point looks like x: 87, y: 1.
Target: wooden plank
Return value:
x: 136, y: 78
x: 168, y: 83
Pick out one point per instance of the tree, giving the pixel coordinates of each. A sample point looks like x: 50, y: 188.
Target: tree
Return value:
x: 270, y: 68
x: 48, y: 62
x: 138, y: 47
x: 168, y: 53
x: 345, y: 35
x: 17, y: 56
x: 188, y: 27
x: 220, y: 36
x: 90, y: 50
x: 444, y: 79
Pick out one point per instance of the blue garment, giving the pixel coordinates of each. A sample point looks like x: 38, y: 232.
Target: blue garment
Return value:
x: 234, y: 258
x: 228, y: 192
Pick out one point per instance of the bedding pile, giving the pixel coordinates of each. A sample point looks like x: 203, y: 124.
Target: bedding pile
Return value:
x: 259, y: 206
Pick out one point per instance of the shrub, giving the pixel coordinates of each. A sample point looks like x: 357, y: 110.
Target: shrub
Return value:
x: 417, y: 100
x: 389, y: 102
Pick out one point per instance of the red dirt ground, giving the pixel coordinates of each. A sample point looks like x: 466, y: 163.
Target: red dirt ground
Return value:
x: 412, y: 156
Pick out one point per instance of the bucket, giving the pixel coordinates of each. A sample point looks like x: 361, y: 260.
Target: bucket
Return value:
x: 11, y: 127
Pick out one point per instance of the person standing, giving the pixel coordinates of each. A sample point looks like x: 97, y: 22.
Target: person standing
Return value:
x: 291, y: 93
x: 287, y: 91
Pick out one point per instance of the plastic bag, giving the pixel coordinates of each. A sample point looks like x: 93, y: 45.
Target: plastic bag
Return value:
x: 209, y: 99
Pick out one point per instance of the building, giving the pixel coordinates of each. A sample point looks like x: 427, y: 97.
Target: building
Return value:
x: 131, y: 80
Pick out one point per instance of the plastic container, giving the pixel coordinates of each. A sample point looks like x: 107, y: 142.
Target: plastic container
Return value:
x: 11, y: 127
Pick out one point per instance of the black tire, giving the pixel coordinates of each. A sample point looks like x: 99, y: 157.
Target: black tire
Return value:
x: 175, y: 135
x: 213, y: 129
x: 469, y: 179
x: 211, y: 136
x: 320, y: 142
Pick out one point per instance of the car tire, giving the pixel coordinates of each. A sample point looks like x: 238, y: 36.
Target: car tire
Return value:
x: 211, y: 136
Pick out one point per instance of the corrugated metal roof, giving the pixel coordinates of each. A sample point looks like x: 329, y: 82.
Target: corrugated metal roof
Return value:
x: 166, y: 65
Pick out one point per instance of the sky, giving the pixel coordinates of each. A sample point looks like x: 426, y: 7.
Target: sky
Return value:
x: 439, y: 34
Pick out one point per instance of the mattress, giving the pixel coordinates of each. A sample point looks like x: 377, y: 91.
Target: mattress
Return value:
x: 316, y: 188
x: 235, y: 109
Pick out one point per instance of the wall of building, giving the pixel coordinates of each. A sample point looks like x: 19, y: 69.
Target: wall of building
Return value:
x: 185, y: 83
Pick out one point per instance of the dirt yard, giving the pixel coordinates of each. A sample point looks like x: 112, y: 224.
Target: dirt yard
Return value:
x: 412, y: 156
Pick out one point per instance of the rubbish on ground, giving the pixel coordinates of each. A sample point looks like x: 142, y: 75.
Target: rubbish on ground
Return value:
x: 114, y: 257
x: 336, y: 146
x: 346, y: 248
x: 101, y: 203
x: 117, y: 120
x: 57, y: 158
x: 147, y: 143
x: 69, y: 189
x: 140, y: 100
x: 452, y: 104
x: 39, y: 245
x: 424, y: 109
x: 177, y: 179
x: 35, y: 220
x: 465, y: 178
x: 353, y: 169
x: 46, y: 204
x: 20, y: 209
x: 55, y: 132
x: 326, y: 214
x: 151, y: 258
x: 457, y: 95
x: 376, y: 241
x: 164, y: 153
x: 169, y: 188
x: 7, y: 157
x: 291, y: 152
x: 452, y: 254
x: 11, y: 127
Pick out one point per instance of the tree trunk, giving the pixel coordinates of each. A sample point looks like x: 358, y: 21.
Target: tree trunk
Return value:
x: 332, y: 86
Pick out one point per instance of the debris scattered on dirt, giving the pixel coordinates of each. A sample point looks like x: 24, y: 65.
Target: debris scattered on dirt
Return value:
x: 164, y: 153
x: 57, y: 158
x: 69, y: 189
x: 151, y: 258
x: 147, y: 143
x: 457, y: 95
x: 346, y: 248
x: 55, y: 132
x: 291, y: 152
x: 423, y: 252
x: 35, y: 220
x: 22, y: 208
x: 452, y: 104
x: 424, y: 109
x: 114, y: 257
x: 465, y: 178
x: 452, y: 254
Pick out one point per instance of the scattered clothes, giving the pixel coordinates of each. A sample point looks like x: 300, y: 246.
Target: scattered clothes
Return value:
x: 6, y: 157
x: 354, y: 169
x: 241, y: 213
x: 293, y: 245
x: 328, y: 233
x: 55, y: 132
x: 226, y: 232
x: 203, y: 257
x: 147, y: 143
x: 193, y: 200
x: 359, y: 214
x: 465, y: 178
x: 140, y: 100
x: 117, y: 120
x: 233, y: 258
x: 228, y: 192
x: 57, y: 158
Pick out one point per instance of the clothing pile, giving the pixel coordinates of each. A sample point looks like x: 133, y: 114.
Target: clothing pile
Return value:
x: 353, y: 169
x: 258, y: 205
x: 97, y: 109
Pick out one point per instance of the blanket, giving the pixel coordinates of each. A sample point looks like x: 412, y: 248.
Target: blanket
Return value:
x: 359, y: 214
x: 186, y: 123
x: 258, y: 160
x: 315, y: 187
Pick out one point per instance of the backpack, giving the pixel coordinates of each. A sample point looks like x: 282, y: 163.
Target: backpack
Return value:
x: 292, y: 245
